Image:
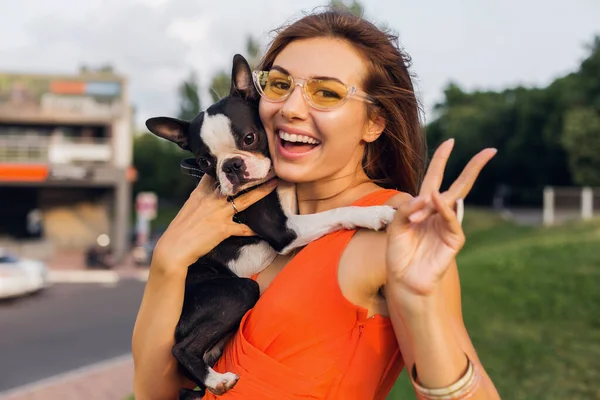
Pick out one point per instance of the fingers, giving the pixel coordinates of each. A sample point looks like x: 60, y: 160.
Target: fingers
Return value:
x: 447, y: 213
x: 206, y: 185
x: 402, y: 220
x: 235, y: 229
x: 200, y: 192
x: 461, y: 186
x: 465, y: 181
x: 435, y: 172
x: 247, y: 199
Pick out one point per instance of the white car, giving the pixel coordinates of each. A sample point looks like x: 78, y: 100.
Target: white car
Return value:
x: 19, y: 276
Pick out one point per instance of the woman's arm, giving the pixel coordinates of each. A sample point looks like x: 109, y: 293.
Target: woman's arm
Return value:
x: 432, y: 336
x: 156, y: 372
x: 204, y: 221
x: 422, y: 288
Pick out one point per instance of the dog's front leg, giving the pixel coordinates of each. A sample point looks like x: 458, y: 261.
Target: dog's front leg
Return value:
x: 310, y: 227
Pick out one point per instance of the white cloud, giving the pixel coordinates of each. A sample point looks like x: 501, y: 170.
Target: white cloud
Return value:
x: 155, y: 42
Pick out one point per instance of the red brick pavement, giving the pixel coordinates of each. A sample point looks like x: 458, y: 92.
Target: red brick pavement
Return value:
x: 110, y: 380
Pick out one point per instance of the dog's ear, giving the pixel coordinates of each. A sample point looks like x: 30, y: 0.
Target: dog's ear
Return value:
x: 172, y: 129
x: 241, y: 78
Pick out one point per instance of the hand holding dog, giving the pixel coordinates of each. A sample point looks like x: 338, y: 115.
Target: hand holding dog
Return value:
x: 204, y: 221
x: 425, y: 236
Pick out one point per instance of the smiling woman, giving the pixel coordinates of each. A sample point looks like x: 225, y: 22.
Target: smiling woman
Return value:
x: 341, y: 318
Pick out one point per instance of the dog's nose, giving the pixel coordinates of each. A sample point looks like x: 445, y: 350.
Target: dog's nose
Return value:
x: 233, y: 165
x: 234, y: 169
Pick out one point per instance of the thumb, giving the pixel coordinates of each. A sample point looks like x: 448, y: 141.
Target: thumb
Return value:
x: 401, y: 222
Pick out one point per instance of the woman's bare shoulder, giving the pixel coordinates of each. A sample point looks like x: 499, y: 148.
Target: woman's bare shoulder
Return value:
x: 364, y: 258
x: 399, y: 198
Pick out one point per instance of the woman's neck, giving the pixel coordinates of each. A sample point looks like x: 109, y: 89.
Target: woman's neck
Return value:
x: 333, y: 192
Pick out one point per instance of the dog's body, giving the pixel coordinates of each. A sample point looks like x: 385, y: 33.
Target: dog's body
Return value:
x: 229, y: 143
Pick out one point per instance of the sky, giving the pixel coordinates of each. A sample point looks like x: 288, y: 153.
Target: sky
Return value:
x: 478, y: 44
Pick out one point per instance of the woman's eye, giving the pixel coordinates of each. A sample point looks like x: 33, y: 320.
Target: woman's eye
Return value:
x: 328, y: 94
x: 250, y: 138
x: 281, y: 85
x: 204, y: 162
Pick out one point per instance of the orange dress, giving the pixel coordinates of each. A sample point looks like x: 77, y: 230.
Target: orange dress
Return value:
x: 305, y: 340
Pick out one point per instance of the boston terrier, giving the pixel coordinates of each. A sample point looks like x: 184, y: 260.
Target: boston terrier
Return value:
x: 229, y: 143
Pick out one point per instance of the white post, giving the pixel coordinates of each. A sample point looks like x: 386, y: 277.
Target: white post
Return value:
x: 548, y: 215
x: 587, y: 203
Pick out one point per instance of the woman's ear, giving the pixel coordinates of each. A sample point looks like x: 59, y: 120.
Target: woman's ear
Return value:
x: 375, y: 127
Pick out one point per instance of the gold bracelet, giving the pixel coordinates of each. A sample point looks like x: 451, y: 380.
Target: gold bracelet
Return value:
x: 461, y: 389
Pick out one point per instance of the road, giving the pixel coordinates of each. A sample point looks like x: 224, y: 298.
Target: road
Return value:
x: 65, y: 327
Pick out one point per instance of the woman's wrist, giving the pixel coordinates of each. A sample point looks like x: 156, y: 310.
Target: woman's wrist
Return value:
x: 413, y: 305
x: 439, y: 359
x: 168, y: 267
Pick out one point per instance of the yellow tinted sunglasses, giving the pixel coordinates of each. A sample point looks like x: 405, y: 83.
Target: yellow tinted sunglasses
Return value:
x: 320, y: 93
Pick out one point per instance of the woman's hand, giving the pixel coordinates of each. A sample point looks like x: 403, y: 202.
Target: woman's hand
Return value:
x: 425, y: 236
x: 204, y: 221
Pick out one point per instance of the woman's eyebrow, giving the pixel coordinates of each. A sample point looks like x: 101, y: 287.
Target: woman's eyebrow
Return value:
x: 320, y: 77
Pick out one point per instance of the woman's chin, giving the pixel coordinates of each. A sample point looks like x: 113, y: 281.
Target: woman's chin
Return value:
x: 292, y: 174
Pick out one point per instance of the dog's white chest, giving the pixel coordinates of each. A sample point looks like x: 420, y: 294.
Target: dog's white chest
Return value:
x: 252, y: 259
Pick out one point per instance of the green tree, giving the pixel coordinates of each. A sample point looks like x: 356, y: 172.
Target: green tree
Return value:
x: 253, y: 52
x: 545, y: 136
x: 220, y: 85
x: 189, y: 97
x: 221, y: 81
x: 581, y: 139
x: 157, y: 162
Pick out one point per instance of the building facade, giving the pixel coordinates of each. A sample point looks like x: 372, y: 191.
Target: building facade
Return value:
x: 65, y: 159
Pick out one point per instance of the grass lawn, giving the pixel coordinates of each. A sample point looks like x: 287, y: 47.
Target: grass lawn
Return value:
x: 531, y: 302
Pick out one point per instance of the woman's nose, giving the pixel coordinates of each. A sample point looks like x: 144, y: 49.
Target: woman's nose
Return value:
x: 295, y: 106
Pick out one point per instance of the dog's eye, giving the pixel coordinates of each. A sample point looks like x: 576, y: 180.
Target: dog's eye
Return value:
x: 250, y: 138
x: 203, y: 162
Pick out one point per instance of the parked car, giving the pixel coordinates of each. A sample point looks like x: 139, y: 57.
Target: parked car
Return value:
x: 19, y: 276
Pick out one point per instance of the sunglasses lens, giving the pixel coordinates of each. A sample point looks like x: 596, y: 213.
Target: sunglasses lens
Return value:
x: 326, y: 93
x: 322, y: 93
x: 274, y: 85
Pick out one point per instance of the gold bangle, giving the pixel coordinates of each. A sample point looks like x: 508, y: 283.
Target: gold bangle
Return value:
x: 461, y: 389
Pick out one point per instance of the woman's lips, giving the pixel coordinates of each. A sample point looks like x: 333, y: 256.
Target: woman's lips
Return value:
x: 295, y: 146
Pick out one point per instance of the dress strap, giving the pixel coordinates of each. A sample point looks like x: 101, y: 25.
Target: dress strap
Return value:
x: 376, y: 198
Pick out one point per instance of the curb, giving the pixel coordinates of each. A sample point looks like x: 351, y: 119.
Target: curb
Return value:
x: 75, y: 276
x: 105, y: 277
x: 73, y: 384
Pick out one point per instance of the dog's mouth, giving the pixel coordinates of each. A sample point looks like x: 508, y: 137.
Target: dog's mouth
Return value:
x: 237, y: 190
x: 252, y: 172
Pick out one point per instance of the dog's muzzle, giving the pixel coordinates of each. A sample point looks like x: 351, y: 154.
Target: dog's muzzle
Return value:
x: 235, y: 171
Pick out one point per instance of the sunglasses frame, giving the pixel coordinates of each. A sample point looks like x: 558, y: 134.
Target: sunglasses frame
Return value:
x: 352, y: 92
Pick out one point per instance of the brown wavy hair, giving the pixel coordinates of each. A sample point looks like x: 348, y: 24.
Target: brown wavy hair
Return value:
x: 397, y: 159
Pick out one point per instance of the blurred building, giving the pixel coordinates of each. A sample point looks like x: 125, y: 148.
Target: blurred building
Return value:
x: 65, y: 159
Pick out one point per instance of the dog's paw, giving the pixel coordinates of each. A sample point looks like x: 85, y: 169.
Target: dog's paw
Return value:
x: 220, y: 383
x: 376, y: 217
x: 385, y: 215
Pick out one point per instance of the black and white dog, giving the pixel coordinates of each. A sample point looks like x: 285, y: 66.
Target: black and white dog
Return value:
x: 229, y: 143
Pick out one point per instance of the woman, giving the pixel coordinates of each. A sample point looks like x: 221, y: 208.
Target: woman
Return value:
x: 341, y: 318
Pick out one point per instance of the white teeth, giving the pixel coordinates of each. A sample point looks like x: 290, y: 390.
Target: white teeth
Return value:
x: 297, y: 138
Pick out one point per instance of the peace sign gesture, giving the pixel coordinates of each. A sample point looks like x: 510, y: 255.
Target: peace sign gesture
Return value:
x: 426, y: 234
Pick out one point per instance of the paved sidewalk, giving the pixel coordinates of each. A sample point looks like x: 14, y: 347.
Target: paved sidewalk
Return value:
x: 69, y: 266
x: 108, y: 380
